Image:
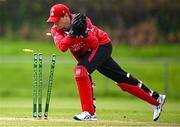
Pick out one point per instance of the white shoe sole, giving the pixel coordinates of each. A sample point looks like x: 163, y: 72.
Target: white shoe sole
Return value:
x: 161, y: 109
x: 92, y: 119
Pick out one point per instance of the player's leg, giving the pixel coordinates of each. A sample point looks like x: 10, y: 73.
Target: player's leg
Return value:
x: 127, y: 82
x: 83, y: 79
x: 93, y: 95
x: 85, y: 92
x: 131, y: 85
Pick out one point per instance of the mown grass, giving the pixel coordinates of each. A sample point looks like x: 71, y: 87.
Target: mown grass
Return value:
x: 110, y: 112
x: 14, y: 47
x: 16, y: 79
x: 121, y: 109
x: 145, y: 63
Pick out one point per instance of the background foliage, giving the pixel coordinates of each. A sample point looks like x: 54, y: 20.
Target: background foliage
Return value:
x: 136, y: 22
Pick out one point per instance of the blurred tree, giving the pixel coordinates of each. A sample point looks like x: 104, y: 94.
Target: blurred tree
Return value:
x: 2, y: 19
x: 168, y: 19
x: 120, y: 18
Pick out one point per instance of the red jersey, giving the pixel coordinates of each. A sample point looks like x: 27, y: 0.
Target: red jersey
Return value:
x: 78, y: 46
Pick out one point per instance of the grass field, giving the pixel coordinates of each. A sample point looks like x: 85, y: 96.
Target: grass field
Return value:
x: 145, y: 63
x: 19, y: 70
x: 114, y: 107
x: 110, y: 112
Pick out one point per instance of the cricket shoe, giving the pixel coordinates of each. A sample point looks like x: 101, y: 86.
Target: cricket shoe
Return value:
x: 85, y: 116
x: 158, y: 109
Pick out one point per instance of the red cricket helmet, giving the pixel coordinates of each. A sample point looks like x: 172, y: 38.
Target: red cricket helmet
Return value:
x: 57, y: 11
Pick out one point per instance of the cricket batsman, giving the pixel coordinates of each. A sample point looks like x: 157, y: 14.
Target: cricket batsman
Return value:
x: 92, y: 49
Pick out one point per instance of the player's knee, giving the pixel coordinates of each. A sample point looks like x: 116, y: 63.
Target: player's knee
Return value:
x: 80, y: 71
x: 88, y: 67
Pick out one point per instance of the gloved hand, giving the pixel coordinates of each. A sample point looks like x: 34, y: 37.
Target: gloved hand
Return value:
x: 78, y: 26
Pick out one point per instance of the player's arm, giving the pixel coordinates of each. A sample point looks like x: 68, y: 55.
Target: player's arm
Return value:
x: 79, y: 28
x: 91, y: 38
x: 60, y: 41
x: 89, y: 23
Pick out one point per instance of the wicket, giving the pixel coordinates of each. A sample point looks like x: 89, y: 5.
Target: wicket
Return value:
x: 37, y: 84
x: 49, y: 87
